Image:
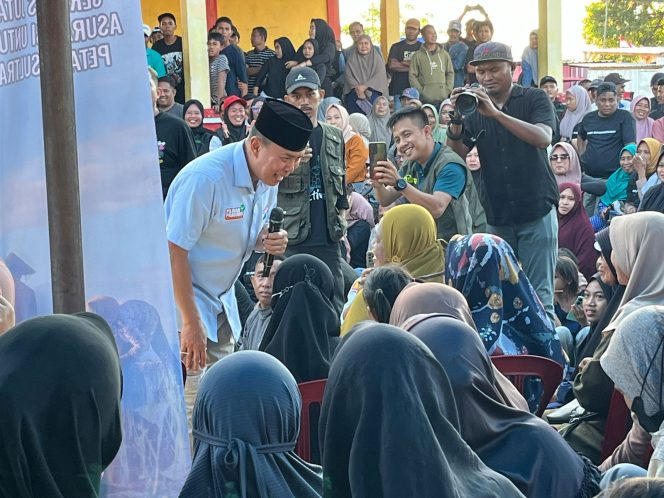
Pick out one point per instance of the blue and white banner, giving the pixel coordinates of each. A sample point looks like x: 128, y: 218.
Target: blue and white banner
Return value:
x: 127, y: 269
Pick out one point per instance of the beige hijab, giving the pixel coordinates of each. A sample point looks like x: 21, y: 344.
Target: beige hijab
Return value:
x: 637, y: 241
x: 417, y: 301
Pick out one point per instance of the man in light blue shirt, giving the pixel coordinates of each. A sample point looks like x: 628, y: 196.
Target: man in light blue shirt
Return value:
x: 217, y: 209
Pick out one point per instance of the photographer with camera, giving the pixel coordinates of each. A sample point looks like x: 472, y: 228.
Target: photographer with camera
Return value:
x: 511, y: 127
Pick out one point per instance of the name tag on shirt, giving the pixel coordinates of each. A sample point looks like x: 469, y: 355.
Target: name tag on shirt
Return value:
x: 236, y: 213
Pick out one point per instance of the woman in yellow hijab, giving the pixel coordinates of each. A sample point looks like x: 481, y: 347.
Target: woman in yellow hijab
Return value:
x: 405, y: 236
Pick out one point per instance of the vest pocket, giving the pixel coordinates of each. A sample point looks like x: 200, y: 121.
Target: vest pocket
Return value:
x: 292, y: 221
x: 292, y: 184
x: 337, y: 179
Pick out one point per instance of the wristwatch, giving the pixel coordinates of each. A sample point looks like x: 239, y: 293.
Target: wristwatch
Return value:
x: 400, y: 185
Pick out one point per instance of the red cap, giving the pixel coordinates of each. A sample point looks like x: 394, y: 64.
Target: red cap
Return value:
x: 229, y: 101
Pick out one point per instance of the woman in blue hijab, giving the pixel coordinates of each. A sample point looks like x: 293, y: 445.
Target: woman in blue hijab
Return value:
x: 245, y: 425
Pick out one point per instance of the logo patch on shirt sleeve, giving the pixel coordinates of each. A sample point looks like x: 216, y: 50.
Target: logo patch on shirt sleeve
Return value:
x: 236, y: 213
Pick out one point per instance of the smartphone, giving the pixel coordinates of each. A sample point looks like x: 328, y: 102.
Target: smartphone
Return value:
x: 370, y: 259
x: 377, y: 152
x: 578, y: 302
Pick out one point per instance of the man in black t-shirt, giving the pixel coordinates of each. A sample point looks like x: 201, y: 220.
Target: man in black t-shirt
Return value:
x: 175, y: 141
x: 512, y: 129
x: 170, y: 49
x: 398, y: 61
x: 314, y: 195
x: 603, y: 133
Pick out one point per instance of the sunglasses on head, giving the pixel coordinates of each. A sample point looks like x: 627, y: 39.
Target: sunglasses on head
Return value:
x: 561, y: 157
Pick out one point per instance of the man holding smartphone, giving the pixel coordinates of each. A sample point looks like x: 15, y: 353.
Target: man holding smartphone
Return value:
x: 432, y: 176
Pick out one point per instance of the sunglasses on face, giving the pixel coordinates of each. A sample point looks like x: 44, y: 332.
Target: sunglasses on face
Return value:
x: 561, y: 157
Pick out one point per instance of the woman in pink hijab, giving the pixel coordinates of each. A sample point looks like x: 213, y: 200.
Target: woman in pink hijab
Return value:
x: 640, y: 111
x: 565, y: 163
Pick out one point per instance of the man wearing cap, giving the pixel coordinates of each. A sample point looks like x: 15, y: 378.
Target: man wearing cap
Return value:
x: 154, y: 59
x: 431, y: 71
x: 550, y: 86
x: 217, y: 212
x: 398, y: 60
x: 170, y: 48
x: 619, y: 81
x: 410, y: 96
x: 175, y: 141
x: 458, y: 51
x: 156, y: 35
x: 314, y: 197
x: 512, y: 129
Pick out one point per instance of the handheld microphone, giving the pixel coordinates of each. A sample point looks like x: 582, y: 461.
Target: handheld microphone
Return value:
x: 276, y: 222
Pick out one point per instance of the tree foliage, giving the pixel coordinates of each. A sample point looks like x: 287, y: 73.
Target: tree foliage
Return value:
x: 640, y: 22
x: 370, y: 19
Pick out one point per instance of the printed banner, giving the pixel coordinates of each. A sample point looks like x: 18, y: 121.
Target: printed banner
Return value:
x: 127, y: 270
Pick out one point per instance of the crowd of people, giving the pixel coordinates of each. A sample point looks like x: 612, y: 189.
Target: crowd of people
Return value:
x: 500, y: 218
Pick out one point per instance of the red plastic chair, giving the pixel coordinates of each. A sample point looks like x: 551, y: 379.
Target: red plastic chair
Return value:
x: 618, y: 424
x: 519, y: 367
x: 312, y: 394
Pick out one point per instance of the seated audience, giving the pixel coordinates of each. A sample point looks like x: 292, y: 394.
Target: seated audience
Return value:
x: 428, y: 298
x: 193, y: 116
x: 439, y: 133
x: 365, y: 77
x: 246, y: 423
x: 387, y: 394
x: 565, y: 305
x: 512, y: 442
x: 304, y: 327
x: 360, y: 125
x: 638, y: 487
x: 382, y: 288
x: 356, y: 152
x: 360, y: 219
x: 259, y: 318
x: 60, y: 419
x: 621, y: 185
x: 634, y: 361
x: 654, y: 199
x: 648, y: 156
x: 574, y: 229
x: 406, y: 236
x: 565, y: 163
x: 234, y: 126
x: 508, y: 315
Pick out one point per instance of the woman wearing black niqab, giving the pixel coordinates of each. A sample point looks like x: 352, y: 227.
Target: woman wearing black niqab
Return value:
x: 514, y: 443
x: 389, y: 424
x: 304, y: 327
x: 60, y: 389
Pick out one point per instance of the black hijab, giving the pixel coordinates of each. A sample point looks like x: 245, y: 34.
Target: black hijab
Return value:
x: 614, y: 296
x: 245, y: 426
x: 60, y: 386
x: 287, y: 49
x: 514, y: 443
x: 202, y: 135
x: 654, y: 199
x: 324, y: 34
x: 235, y: 133
x: 389, y: 424
x: 304, y: 327
x: 300, y: 51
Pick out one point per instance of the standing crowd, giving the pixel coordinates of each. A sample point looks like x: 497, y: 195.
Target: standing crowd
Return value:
x: 435, y: 217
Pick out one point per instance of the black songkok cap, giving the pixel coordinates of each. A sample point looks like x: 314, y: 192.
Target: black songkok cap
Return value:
x: 284, y: 124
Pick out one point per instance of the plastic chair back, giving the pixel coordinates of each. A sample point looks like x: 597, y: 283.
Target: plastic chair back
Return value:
x: 312, y: 394
x: 618, y: 424
x: 518, y: 368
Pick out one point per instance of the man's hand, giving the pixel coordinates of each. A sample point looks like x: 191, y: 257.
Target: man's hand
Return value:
x: 7, y: 317
x: 275, y: 243
x: 485, y: 106
x: 193, y: 345
x: 386, y: 173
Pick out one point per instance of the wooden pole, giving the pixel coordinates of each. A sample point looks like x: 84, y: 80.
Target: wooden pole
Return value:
x: 61, y: 157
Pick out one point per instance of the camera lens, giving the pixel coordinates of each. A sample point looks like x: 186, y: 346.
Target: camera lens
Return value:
x: 466, y: 103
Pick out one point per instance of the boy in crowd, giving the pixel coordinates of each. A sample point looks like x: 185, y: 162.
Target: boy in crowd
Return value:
x: 218, y: 69
x: 258, y: 320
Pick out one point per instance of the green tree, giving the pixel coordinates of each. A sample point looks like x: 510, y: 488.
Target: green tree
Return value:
x: 370, y: 19
x: 639, y: 21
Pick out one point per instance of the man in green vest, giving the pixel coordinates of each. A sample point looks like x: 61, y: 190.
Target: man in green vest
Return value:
x: 432, y: 175
x: 314, y: 195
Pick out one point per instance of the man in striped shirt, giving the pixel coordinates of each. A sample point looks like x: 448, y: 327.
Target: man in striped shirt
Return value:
x: 259, y: 55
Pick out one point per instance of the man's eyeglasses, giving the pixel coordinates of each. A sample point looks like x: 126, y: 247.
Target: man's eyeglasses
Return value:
x: 561, y: 157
